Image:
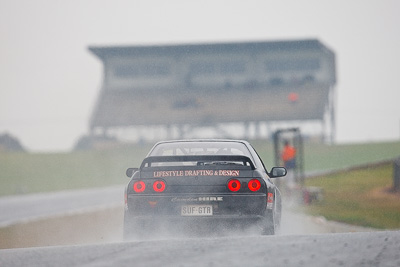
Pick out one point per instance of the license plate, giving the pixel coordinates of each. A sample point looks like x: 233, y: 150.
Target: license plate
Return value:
x: 197, y: 210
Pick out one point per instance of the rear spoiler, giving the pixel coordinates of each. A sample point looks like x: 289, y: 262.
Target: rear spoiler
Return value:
x: 203, y: 158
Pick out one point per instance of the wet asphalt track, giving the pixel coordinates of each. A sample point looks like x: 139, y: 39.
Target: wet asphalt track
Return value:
x: 17, y: 208
x: 301, y: 242
x: 345, y: 249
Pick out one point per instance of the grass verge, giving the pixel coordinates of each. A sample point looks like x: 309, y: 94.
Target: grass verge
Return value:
x: 23, y: 173
x: 359, y: 197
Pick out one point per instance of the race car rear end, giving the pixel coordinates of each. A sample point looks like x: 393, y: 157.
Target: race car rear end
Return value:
x: 188, y: 193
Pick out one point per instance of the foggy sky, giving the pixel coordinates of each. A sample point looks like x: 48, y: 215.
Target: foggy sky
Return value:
x: 49, y: 81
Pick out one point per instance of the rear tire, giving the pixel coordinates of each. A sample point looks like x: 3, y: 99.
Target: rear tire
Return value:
x: 268, y: 230
x: 268, y: 224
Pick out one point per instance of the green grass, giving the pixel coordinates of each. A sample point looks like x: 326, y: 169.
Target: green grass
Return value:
x: 358, y: 197
x: 30, y: 173
x: 321, y: 157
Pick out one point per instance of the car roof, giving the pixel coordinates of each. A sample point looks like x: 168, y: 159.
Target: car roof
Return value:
x: 211, y: 140
x: 203, y: 140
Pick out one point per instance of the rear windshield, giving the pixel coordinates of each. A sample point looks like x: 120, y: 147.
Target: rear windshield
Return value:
x: 200, y: 148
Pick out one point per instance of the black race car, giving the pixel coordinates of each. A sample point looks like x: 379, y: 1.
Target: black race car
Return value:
x: 189, y: 185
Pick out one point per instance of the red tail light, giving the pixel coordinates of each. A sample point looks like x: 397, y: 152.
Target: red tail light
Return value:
x: 139, y: 186
x: 159, y: 186
x: 254, y: 185
x: 234, y: 185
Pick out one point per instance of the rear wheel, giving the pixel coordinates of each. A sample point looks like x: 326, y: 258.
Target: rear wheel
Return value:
x: 277, y: 210
x: 267, y: 224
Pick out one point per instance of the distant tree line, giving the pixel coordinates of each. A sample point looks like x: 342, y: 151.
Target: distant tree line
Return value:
x: 10, y: 143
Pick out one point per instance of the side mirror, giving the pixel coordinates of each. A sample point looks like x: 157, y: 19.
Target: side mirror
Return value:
x: 131, y: 171
x: 277, y: 172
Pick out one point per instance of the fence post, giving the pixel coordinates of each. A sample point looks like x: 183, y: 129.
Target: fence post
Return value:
x: 396, y: 175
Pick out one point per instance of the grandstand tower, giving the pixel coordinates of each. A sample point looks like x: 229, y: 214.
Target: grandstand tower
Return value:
x: 195, y: 85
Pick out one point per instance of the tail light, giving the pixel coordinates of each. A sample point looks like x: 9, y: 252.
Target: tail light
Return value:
x: 234, y: 185
x: 254, y: 185
x: 139, y: 186
x: 159, y: 186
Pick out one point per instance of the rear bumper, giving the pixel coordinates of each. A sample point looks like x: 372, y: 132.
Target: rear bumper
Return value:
x: 153, y: 215
x: 224, y: 206
x: 154, y: 219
